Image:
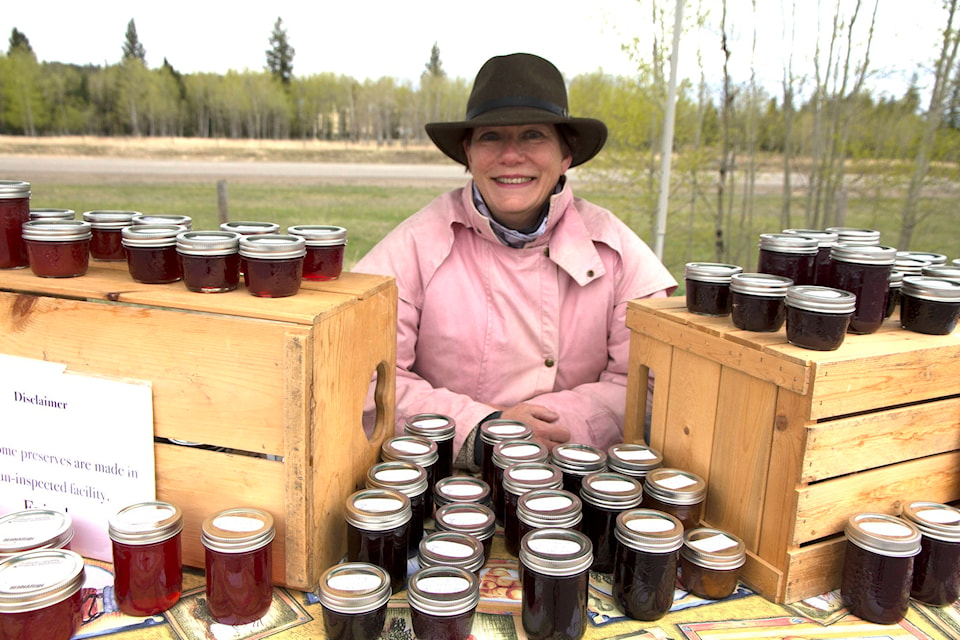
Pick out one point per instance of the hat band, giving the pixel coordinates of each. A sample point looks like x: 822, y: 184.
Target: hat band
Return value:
x: 516, y: 101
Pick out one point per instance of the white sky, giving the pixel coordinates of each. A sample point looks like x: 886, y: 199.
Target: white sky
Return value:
x: 377, y: 38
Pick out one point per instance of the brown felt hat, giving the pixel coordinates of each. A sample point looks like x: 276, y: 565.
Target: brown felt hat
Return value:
x: 520, y: 88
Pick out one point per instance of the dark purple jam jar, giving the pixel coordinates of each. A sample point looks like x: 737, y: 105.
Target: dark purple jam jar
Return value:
x: 518, y: 480
x: 210, y: 260
x: 418, y: 451
x: 152, y: 252
x: 462, y: 489
x: 378, y: 531
x: 493, y: 432
x: 106, y: 244
x: 817, y: 317
x: 893, y: 293
x: 633, y: 459
x: 645, y: 569
x: 708, y: 287
x: 789, y: 255
x: 936, y: 570
x: 577, y: 461
x: 354, y: 597
x: 865, y: 272
x: 878, y: 566
x: 825, y: 240
x: 555, y: 574
x: 758, y: 301
x: 411, y: 480
x: 472, y: 519
x: 451, y: 549
x: 606, y: 495
x: 929, y: 305
x: 509, y: 453
x: 443, y: 601
x: 677, y: 492
x: 439, y: 428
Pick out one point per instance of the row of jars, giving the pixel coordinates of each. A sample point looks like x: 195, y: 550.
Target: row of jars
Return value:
x: 40, y: 577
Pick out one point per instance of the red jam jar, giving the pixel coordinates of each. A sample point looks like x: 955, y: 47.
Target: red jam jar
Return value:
x: 40, y: 595
x: 439, y: 428
x: 378, y: 531
x: 708, y: 287
x: 239, y: 564
x: 518, y: 480
x: 325, y: 245
x: 147, y: 557
x: 645, y: 568
x: 929, y: 305
x: 57, y: 248
x: 821, y: 264
x: 710, y: 561
x: 878, y: 566
x: 272, y: 264
x: 462, y: 489
x: 31, y: 529
x: 493, y: 432
x: 472, y: 519
x: 410, y: 479
x: 758, y: 301
x: 865, y: 272
x: 605, y: 495
x: 14, y: 212
x: 548, y: 509
x: 509, y: 453
x: 633, y: 459
x: 817, y: 317
x: 354, y: 597
x: 152, y: 252
x: 555, y: 574
x: 52, y: 214
x: 419, y: 451
x: 789, y: 255
x: 210, y: 260
x: 107, y: 228
x: 164, y: 218
x: 576, y: 462
x: 936, y: 570
x: 679, y: 493
x: 451, y: 549
x: 442, y: 602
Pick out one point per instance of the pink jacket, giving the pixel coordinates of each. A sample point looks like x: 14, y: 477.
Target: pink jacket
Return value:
x: 484, y: 324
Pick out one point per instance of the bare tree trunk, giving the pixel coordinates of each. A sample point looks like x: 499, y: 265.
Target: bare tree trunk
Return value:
x: 788, y: 115
x: 726, y: 158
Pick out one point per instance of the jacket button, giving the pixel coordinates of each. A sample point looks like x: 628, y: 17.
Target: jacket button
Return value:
x: 549, y: 362
x: 590, y: 273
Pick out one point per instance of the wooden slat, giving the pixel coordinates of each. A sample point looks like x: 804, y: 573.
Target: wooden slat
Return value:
x: 691, y: 414
x: 763, y: 577
x: 814, y: 569
x: 654, y: 357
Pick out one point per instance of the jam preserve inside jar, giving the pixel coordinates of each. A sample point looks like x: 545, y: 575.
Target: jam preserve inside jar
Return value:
x: 443, y: 601
x: 710, y: 561
x: 420, y: 451
x: 354, y: 597
x: 548, y: 509
x: 461, y: 489
x: 679, y: 493
x: 758, y: 301
x: 476, y: 520
x: 577, y: 461
x: 645, y: 570
x: 555, y: 576
x: 451, y: 549
x: 210, y: 260
x: 789, y: 255
x: 40, y: 595
x: 821, y: 264
x: 936, y: 570
x: 325, y: 246
x: 411, y: 480
x: 106, y: 244
x: 518, y: 480
x: 878, y: 566
x: 152, y: 252
x: 633, y: 459
x: 708, y: 287
x: 817, y: 317
x: 929, y: 305
x: 14, y: 212
x: 439, y: 428
x: 865, y: 272
x: 378, y: 531
x: 493, y: 432
x: 272, y: 264
x: 895, y: 283
x: 606, y: 495
x: 57, y: 248
x: 509, y: 453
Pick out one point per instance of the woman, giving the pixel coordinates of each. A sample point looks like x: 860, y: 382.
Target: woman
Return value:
x: 512, y: 292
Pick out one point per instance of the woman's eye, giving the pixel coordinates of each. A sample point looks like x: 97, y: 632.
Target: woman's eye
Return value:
x: 488, y: 136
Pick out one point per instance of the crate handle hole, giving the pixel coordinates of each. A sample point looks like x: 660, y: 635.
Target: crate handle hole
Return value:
x: 374, y: 412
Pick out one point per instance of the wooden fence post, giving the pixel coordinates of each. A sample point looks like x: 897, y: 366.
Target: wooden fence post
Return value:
x: 222, y: 207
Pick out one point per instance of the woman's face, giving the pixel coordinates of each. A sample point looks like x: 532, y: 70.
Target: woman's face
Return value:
x: 516, y: 169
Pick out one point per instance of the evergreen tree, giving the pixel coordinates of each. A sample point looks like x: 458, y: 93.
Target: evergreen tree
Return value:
x: 19, y: 43
x: 434, y: 68
x: 132, y: 48
x: 280, y: 54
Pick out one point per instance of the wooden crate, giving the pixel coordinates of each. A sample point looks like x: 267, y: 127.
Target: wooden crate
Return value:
x: 790, y: 441
x: 282, y: 379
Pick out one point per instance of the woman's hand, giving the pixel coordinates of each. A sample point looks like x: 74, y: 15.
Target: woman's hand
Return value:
x: 542, y: 420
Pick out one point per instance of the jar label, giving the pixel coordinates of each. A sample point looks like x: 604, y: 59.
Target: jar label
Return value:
x: 462, y: 490
x: 449, y: 549
x: 714, y: 543
x: 520, y: 450
x: 408, y: 446
x: 636, y: 454
x: 939, y: 516
x: 431, y: 423
x: 361, y: 582
x: 613, y: 486
x: 378, y: 505
x: 551, y: 503
x: 397, y: 475
x: 465, y: 519
x: 554, y: 547
x: 652, y: 524
x: 531, y: 474
x: 238, y: 523
x: 886, y: 528
x: 450, y: 584
x: 677, y: 481
x: 580, y: 454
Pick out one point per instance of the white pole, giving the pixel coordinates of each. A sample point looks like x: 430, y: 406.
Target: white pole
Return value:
x: 666, y: 146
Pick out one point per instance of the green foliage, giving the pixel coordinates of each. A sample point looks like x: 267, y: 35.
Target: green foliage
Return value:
x: 280, y: 54
x: 434, y: 67
x: 19, y: 43
x: 132, y: 48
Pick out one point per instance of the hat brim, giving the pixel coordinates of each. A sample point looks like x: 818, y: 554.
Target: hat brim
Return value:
x: 590, y: 134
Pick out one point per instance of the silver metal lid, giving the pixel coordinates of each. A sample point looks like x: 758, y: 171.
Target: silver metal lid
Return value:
x: 760, y: 284
x: 145, y: 523
x: 649, y: 530
x: 522, y: 477
x: 163, y: 218
x: 713, y: 272
x: 408, y: 478
x: 511, y: 452
x: 925, y: 256
x: 823, y: 238
x: 109, y: 219
x: 578, y: 459
x: 821, y: 299
x: 208, y: 243
x: 151, y: 235
x: 932, y: 289
x: 910, y: 266
x: 471, y: 518
x: 863, y: 254
x: 250, y: 228
x: 855, y: 236
x: 443, y: 591
x: 633, y: 459
x: 713, y: 549
x: 52, y: 214
x: 272, y: 246
x: 56, y: 230
x: 435, y: 426
x: 674, y: 486
x: 494, y: 431
x: 411, y: 449
x: 10, y: 189
x: 237, y: 530
x: 609, y: 490
x: 789, y: 243
x: 895, y: 279
x: 34, y: 529
x: 556, y: 552
x: 378, y: 509
x: 939, y: 521
x: 319, y: 235
x: 451, y: 549
x: 39, y: 579
x: 543, y: 508
x: 883, y: 534
x: 354, y: 587
x: 461, y: 489
x: 942, y: 271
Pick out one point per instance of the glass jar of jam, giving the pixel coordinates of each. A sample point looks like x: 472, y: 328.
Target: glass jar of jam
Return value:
x: 548, y: 509
x: 164, y: 218
x: 936, y: 570
x: 493, y: 432
x: 789, y: 255
x: 855, y: 236
x: 439, y: 428
x: 758, y: 301
x: 410, y: 479
x: 52, y: 214
x: 106, y: 244
x: 679, y: 493
x: 821, y: 264
x: 472, y: 519
x: 147, y: 557
x: 519, y: 479
x: 865, y: 272
x: 443, y: 601
x: 57, y: 248
x: 555, y: 575
x: 354, y: 597
x: 708, y: 287
x: 14, y: 212
x: 633, y: 459
x: 418, y: 451
x: 40, y: 595
x: 325, y: 245
x: 239, y: 564
x: 924, y: 256
x: 878, y: 566
x: 576, y: 462
x: 710, y: 561
x: 272, y: 264
x: 817, y: 317
x: 645, y: 569
x: 606, y: 495
x: 929, y: 305
x: 462, y: 489
x: 31, y: 529
x: 893, y: 292
x: 451, y: 549
x: 210, y: 260
x: 508, y: 453
x: 378, y: 531
x: 152, y: 252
